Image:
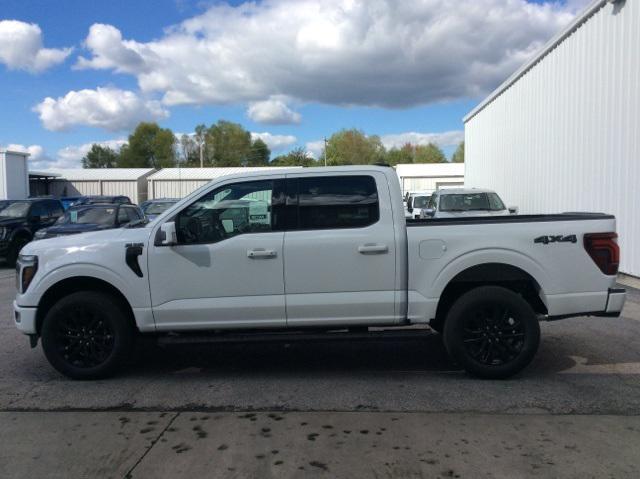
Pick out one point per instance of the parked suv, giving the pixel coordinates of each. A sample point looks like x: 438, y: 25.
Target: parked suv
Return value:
x: 92, y: 200
x: 462, y: 202
x: 20, y: 219
x: 84, y: 218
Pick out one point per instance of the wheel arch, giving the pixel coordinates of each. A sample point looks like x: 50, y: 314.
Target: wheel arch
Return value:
x: 75, y: 284
x: 506, y: 275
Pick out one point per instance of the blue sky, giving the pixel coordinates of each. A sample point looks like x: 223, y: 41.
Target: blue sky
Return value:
x: 75, y: 72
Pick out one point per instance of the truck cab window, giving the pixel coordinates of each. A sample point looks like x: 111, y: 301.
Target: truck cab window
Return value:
x: 329, y: 202
x: 228, y: 211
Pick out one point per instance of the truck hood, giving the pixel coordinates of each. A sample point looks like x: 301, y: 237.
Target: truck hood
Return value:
x: 90, y: 241
x: 69, y: 229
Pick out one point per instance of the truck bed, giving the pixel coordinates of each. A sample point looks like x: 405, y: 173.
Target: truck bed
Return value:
x: 549, y: 248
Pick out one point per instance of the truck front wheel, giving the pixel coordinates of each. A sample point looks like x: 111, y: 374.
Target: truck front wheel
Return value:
x: 87, y: 335
x: 492, y: 332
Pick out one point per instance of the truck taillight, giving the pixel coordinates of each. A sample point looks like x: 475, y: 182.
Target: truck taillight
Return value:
x: 604, y: 251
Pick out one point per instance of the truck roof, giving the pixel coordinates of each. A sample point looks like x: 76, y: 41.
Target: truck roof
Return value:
x: 312, y: 170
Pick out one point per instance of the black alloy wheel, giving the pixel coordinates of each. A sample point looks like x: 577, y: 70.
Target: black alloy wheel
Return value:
x: 494, y: 335
x: 84, y: 338
x: 88, y: 335
x: 492, y: 332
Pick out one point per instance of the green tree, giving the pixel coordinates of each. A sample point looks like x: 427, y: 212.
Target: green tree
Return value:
x: 353, y: 147
x: 260, y: 154
x: 430, y: 153
x: 149, y: 146
x: 397, y: 156
x: 458, y: 155
x: 228, y: 144
x: 296, y: 157
x: 189, y: 151
x: 100, y: 157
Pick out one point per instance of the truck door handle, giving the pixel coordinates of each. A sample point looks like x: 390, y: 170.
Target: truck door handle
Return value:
x: 261, y: 253
x: 373, y: 248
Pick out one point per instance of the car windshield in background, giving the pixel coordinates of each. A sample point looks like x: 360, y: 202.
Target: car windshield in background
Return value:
x: 17, y: 209
x: 471, y: 202
x: 157, y: 208
x: 420, y: 201
x: 94, y: 216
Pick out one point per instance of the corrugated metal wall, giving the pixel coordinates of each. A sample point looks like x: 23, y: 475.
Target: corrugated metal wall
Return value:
x: 111, y: 187
x: 181, y: 188
x: 422, y: 184
x: 566, y: 136
x: 173, y: 188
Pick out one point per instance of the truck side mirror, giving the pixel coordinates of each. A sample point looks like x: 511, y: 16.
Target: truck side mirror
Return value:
x: 513, y: 210
x: 169, y: 230
x: 430, y: 212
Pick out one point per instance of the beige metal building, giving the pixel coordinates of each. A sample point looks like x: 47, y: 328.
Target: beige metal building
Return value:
x: 429, y: 176
x: 179, y: 182
x: 131, y: 182
x: 14, y: 180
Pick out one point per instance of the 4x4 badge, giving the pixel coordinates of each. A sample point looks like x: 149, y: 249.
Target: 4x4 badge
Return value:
x: 556, y: 239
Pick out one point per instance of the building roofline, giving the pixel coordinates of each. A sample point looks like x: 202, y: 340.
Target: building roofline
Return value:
x: 14, y: 152
x: 544, y: 51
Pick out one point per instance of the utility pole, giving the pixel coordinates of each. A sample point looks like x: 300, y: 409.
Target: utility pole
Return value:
x: 325, y: 151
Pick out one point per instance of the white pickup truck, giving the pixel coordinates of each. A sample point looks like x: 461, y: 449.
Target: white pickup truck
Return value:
x: 331, y: 251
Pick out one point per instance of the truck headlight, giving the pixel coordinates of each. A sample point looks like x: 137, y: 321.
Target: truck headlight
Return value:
x: 27, y: 266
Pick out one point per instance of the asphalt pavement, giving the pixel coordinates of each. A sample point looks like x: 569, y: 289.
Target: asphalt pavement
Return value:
x: 222, y: 409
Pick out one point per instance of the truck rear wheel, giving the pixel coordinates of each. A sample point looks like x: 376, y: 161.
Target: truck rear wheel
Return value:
x: 87, y: 335
x: 492, y: 332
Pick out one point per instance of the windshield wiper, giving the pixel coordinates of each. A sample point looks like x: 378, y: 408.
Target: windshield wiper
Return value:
x: 137, y: 223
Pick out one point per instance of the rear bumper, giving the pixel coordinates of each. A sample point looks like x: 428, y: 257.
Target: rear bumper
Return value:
x: 615, y: 301
x: 616, y: 298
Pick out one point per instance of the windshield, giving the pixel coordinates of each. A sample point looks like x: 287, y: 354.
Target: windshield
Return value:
x: 471, y: 202
x: 421, y: 201
x: 17, y: 209
x: 84, y: 216
x: 157, y: 208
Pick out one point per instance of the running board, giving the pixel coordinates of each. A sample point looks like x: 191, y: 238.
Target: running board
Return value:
x: 262, y: 337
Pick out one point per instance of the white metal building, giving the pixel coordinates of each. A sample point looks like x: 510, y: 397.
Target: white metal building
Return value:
x: 14, y: 178
x: 563, y: 132
x: 131, y: 182
x: 429, y: 176
x: 179, y: 182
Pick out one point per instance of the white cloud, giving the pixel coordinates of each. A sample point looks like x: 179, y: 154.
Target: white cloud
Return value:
x: 67, y: 157
x: 275, y: 142
x: 21, y: 47
x: 342, y: 52
x: 108, y: 108
x: 73, y: 154
x: 272, y: 112
x: 447, y: 138
x: 315, y: 148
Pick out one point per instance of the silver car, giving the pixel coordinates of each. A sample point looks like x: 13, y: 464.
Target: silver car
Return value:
x: 463, y: 202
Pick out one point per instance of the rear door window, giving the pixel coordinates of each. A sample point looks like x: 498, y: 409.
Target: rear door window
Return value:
x: 335, y: 202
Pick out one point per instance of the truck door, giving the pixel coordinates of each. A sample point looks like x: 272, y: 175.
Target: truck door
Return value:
x: 340, y: 246
x: 227, y: 268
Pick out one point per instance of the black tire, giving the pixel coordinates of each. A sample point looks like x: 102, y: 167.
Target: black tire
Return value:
x: 14, y: 250
x: 87, y: 335
x: 492, y: 332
